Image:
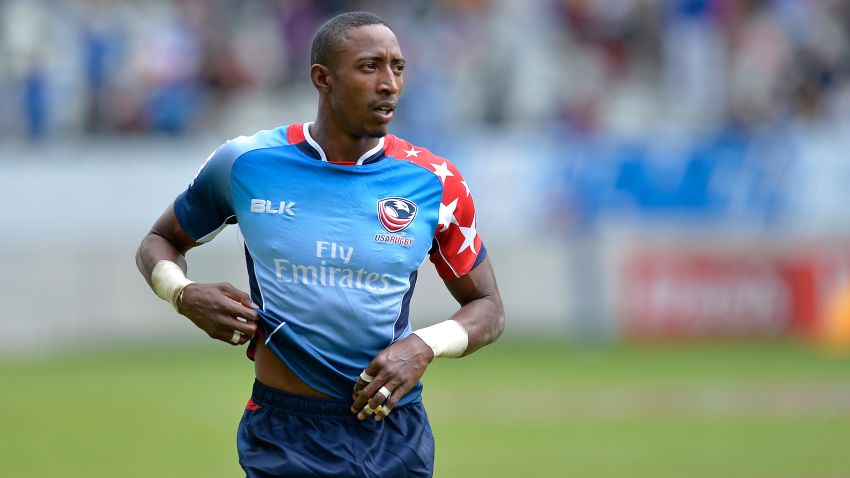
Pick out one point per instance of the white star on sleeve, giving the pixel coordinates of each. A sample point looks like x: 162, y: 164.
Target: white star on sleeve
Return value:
x: 466, y: 186
x: 442, y: 171
x: 469, y: 234
x: 447, y: 215
x: 413, y: 152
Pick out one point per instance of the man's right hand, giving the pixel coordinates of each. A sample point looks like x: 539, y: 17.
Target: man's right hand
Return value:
x: 220, y: 309
x: 217, y: 309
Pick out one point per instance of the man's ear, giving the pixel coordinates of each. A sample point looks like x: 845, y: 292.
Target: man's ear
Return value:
x: 320, y: 75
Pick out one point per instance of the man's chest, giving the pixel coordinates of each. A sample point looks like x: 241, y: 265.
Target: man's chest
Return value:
x: 360, y: 222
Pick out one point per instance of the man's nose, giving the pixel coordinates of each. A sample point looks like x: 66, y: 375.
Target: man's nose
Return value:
x: 389, y: 83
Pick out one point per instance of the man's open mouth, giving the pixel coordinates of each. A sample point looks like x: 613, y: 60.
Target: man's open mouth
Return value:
x: 385, y: 109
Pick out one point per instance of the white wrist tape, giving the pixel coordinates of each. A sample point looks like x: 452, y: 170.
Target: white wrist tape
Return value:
x: 168, y: 280
x: 446, y: 339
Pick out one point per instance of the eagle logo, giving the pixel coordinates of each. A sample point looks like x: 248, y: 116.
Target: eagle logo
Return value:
x: 396, y: 214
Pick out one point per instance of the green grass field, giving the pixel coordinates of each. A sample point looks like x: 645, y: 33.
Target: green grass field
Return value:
x: 512, y: 410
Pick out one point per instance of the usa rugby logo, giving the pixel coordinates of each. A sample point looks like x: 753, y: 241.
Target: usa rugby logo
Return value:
x: 396, y: 213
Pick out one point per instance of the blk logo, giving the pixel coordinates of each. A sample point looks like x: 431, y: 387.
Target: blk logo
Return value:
x: 396, y: 214
x: 265, y: 206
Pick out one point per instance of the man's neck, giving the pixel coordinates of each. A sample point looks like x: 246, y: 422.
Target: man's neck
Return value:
x: 340, y: 147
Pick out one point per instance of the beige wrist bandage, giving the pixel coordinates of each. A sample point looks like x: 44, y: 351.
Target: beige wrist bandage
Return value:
x: 168, y: 281
x: 446, y: 339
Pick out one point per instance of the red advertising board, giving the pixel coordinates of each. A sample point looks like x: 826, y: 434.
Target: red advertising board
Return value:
x: 689, y: 294
x: 675, y: 293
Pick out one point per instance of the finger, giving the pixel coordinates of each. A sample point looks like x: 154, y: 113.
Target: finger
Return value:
x: 245, y: 339
x: 397, y: 394
x: 382, y: 410
x: 380, y: 397
x: 236, y: 309
x: 362, y: 380
x: 245, y: 328
x: 237, y: 338
x: 360, y: 399
x: 363, y: 391
x: 382, y: 413
x: 248, y: 314
x: 365, y: 395
x: 366, y: 392
x: 238, y: 296
x: 224, y: 326
x: 232, y: 337
x: 375, y: 403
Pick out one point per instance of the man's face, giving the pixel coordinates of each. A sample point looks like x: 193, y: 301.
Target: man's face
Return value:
x: 367, y: 79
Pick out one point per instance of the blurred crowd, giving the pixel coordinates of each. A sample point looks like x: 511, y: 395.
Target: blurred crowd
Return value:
x: 707, y: 63
x: 719, y: 111
x: 613, y: 66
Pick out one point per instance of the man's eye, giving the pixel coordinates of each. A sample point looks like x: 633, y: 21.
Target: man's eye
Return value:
x: 399, y: 67
x: 369, y: 66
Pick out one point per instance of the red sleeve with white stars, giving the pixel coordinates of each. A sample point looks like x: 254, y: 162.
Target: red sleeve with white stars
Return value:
x: 458, y: 247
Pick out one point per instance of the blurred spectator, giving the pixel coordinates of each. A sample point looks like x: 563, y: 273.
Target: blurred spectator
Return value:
x: 619, y: 67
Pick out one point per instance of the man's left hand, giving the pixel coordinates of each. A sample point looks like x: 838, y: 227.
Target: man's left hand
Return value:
x: 394, y: 371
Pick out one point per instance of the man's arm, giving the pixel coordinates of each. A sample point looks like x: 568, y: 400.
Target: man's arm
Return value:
x: 481, y: 314
x: 214, y: 308
x: 400, y: 366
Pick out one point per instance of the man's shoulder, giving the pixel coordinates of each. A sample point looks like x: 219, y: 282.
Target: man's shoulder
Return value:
x: 402, y: 149
x: 268, y: 138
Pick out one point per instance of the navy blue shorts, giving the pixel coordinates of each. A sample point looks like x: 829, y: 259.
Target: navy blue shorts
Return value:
x: 286, y: 435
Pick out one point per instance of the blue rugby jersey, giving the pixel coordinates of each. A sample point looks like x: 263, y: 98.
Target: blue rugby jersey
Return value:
x: 333, y: 250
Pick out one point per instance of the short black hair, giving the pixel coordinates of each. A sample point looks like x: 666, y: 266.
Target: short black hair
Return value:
x: 327, y: 38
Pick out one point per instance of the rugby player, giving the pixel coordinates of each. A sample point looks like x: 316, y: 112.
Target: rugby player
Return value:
x: 337, y: 216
